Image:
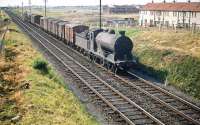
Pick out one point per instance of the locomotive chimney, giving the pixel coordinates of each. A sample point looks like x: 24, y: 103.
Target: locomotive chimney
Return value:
x: 122, y: 33
x: 112, y: 31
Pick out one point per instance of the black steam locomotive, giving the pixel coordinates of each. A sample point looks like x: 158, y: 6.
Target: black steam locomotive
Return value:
x: 103, y: 46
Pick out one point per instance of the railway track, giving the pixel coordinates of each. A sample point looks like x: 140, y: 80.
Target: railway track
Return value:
x: 182, y: 111
x: 120, y: 105
x: 182, y: 107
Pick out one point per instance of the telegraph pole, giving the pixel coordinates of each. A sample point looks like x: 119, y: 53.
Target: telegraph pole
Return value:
x: 45, y: 8
x: 22, y: 8
x: 100, y: 20
x: 30, y: 6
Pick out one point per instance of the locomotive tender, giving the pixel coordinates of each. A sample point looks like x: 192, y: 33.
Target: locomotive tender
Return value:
x: 103, y: 46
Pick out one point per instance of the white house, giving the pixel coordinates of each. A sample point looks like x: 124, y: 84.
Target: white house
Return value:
x: 184, y: 14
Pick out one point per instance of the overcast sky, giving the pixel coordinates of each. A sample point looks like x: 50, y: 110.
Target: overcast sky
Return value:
x: 79, y: 2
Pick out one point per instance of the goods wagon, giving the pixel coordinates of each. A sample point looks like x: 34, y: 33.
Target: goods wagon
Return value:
x: 35, y: 19
x: 43, y: 23
x: 50, y: 24
x: 71, y: 30
x: 55, y: 27
x: 61, y: 29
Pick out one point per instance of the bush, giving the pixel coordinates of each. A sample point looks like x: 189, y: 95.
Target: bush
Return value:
x: 41, y: 65
x: 186, y: 75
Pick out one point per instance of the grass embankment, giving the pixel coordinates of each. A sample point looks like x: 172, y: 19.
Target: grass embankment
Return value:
x: 172, y: 57
x: 31, y: 92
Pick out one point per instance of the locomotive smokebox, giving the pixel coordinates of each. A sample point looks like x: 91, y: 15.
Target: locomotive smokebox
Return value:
x: 120, y: 46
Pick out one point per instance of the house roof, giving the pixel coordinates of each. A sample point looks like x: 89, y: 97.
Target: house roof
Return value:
x: 179, y: 6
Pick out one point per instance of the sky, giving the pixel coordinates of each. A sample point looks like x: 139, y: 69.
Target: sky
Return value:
x: 80, y: 2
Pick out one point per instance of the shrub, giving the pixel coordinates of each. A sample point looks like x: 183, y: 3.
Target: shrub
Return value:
x: 186, y: 75
x: 41, y: 65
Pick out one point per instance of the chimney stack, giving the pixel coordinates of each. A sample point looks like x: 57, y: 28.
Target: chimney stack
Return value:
x: 189, y: 1
x: 152, y: 1
x: 164, y: 1
x: 174, y: 1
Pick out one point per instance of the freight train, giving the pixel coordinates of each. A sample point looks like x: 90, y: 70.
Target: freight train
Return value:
x: 103, y: 46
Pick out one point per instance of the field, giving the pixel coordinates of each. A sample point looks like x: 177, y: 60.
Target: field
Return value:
x: 88, y: 16
x: 30, y: 90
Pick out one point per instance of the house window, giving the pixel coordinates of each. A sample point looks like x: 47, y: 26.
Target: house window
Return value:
x: 166, y: 13
x: 175, y: 14
x: 194, y: 14
x: 151, y: 12
x: 158, y: 13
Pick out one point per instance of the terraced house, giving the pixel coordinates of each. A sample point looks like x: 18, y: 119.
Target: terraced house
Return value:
x: 179, y: 14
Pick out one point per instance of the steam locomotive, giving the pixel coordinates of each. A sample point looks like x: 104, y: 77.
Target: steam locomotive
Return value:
x: 103, y: 46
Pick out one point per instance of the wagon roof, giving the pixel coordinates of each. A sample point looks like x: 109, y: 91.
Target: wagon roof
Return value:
x: 34, y: 15
x: 50, y: 18
x: 63, y: 23
x: 75, y: 25
x: 45, y: 17
x: 57, y: 21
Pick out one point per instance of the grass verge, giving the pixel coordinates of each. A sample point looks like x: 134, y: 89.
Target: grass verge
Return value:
x: 34, y: 97
x: 181, y: 71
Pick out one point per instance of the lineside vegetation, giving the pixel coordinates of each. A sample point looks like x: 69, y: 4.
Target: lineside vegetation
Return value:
x: 31, y: 92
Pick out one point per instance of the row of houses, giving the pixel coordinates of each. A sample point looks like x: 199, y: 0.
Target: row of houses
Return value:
x: 179, y: 14
x: 116, y: 9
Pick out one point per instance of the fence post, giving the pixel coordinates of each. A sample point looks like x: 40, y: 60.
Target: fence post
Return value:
x: 2, y: 41
x: 194, y: 28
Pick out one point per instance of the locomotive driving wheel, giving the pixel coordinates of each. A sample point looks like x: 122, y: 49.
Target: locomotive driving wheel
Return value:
x: 114, y: 68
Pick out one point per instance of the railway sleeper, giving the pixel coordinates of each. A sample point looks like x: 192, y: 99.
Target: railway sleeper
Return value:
x: 148, y: 89
x: 138, y: 117
x: 110, y: 96
x: 183, y: 108
x: 122, y: 105
x: 85, y: 87
x: 145, y: 87
x: 114, y: 100
x: 91, y: 92
x: 119, y: 101
x: 98, y: 101
x: 144, y: 122
x: 153, y: 92
x: 189, y: 112
x: 107, y: 92
x: 87, y: 90
x: 165, y: 97
x: 129, y: 108
x: 102, y: 89
x: 195, y: 116
x: 99, y: 86
x: 169, y: 100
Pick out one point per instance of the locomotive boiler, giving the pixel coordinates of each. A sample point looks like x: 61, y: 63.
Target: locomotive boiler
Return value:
x: 117, y: 49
